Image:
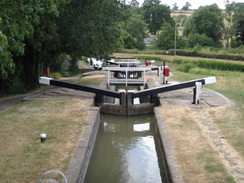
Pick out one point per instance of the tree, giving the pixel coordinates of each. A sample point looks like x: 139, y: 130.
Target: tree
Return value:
x: 155, y: 15
x: 201, y: 39
x: 134, y: 3
x: 186, y: 6
x: 136, y: 27
x: 91, y: 31
x: 15, y: 26
x: 165, y: 39
x: 34, y: 33
x: 235, y: 28
x: 175, y: 7
x: 180, y: 20
x: 7, y: 65
x: 206, y: 20
x: 126, y: 40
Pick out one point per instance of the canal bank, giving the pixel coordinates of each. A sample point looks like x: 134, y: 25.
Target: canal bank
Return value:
x: 209, y: 99
x: 83, y: 152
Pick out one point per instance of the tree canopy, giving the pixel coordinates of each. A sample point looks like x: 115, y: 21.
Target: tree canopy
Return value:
x: 186, y: 6
x: 38, y: 34
x: 34, y: 33
x: 206, y: 20
x: 166, y: 37
x: 235, y: 17
x: 155, y: 15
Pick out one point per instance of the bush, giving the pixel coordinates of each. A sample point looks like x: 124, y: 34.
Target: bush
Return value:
x: 217, y: 65
x: 186, y: 67
x: 197, y: 47
x: 201, y: 39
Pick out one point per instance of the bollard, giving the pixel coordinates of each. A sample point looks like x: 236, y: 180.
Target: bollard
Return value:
x: 43, y: 137
x: 197, y: 92
x: 48, y: 71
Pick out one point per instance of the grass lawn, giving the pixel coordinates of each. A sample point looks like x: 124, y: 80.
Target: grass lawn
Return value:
x: 23, y: 157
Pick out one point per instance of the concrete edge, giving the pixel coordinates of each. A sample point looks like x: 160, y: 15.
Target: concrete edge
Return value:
x: 228, y: 102
x: 168, y: 148
x: 81, y: 156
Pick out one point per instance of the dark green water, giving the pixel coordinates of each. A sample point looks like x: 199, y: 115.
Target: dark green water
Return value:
x: 125, y: 151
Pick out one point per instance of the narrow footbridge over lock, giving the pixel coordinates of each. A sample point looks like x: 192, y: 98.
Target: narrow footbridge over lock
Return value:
x: 126, y: 105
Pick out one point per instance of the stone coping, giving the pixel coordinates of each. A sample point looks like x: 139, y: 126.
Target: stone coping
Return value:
x: 174, y: 169
x: 81, y: 157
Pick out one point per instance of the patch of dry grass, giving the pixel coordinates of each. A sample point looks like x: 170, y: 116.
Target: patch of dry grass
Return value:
x: 92, y: 80
x: 192, y: 150
x: 23, y: 157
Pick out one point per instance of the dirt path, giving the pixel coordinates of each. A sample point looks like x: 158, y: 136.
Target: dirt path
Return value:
x: 228, y: 155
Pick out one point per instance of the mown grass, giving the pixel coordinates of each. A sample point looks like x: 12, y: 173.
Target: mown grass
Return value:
x: 89, y: 80
x: 23, y: 158
x: 213, y: 165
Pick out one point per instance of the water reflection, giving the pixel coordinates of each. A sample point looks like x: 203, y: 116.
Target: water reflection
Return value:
x: 141, y: 127
x: 125, y: 151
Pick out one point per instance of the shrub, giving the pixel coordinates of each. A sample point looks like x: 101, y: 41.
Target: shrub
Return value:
x: 186, y: 67
x: 197, y: 47
x: 217, y: 65
x: 201, y: 39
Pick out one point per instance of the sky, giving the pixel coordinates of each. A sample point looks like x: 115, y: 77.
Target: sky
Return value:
x: 195, y: 3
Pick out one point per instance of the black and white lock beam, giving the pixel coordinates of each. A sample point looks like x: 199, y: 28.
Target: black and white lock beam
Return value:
x: 187, y: 84
x: 99, y: 91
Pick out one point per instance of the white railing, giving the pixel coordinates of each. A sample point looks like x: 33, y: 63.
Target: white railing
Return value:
x: 124, y: 75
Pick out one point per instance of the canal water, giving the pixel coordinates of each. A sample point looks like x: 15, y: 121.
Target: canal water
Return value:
x: 126, y: 151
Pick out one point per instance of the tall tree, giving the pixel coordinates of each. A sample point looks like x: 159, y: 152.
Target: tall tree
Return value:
x: 155, y: 15
x: 135, y: 26
x: 34, y: 33
x: 206, y: 20
x: 166, y: 37
x: 91, y: 31
x: 180, y: 20
x: 175, y: 7
x: 15, y: 26
x: 134, y: 3
x: 186, y: 6
x: 235, y: 17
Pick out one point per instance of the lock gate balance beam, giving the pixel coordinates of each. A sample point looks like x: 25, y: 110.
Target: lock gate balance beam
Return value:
x: 98, y: 91
x: 187, y: 84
